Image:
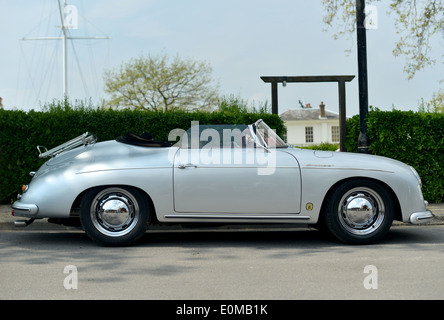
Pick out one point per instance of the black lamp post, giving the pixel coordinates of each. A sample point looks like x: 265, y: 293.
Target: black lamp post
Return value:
x: 363, y: 142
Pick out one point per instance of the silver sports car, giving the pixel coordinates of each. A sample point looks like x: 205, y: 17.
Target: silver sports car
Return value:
x: 218, y: 174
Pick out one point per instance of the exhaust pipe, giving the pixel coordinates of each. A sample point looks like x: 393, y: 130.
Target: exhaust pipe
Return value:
x: 23, y: 223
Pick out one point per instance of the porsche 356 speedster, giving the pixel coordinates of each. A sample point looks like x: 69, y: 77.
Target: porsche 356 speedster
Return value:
x: 218, y: 174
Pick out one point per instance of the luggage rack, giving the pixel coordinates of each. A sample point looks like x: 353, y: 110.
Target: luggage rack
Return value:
x: 84, y: 139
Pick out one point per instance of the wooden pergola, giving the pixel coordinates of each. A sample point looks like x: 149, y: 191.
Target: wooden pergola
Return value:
x: 341, y: 80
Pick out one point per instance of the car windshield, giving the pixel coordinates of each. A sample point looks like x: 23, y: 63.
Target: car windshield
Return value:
x: 268, y: 136
x: 231, y: 136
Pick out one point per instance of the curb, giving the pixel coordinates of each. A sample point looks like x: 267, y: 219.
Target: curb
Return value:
x: 7, y: 220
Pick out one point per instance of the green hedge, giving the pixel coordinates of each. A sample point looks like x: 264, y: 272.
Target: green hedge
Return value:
x: 21, y: 132
x: 323, y: 147
x: 413, y: 138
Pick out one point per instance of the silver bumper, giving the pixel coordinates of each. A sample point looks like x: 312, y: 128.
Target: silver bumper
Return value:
x: 24, y: 209
x: 421, y: 217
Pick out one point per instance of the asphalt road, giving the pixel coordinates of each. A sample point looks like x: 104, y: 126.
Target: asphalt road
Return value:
x: 248, y: 265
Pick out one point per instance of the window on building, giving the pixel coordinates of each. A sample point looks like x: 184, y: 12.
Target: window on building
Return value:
x: 335, y: 134
x: 308, y: 134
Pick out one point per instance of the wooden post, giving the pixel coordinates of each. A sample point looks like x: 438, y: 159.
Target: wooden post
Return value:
x: 342, y: 116
x: 274, y: 98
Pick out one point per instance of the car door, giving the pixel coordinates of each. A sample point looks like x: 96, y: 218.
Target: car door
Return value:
x: 236, y: 180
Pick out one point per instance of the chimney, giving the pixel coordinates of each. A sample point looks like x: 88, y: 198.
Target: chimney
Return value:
x: 322, y: 111
x: 1, y: 104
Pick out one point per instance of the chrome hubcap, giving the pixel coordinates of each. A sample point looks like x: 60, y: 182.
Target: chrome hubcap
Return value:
x: 114, y: 212
x: 361, y: 211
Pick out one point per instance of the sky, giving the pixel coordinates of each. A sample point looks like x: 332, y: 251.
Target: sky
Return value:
x: 242, y: 40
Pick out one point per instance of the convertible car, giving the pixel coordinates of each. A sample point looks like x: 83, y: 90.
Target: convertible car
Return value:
x: 218, y: 174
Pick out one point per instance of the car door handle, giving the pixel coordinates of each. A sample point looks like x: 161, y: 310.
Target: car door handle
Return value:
x: 188, y: 165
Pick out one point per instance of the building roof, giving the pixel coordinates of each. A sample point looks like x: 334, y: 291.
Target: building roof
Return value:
x: 307, y: 114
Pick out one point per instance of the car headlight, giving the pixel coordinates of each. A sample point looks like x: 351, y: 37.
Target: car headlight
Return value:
x: 416, y: 175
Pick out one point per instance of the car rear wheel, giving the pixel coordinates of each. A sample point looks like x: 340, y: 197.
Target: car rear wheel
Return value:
x: 359, y: 212
x: 115, y: 216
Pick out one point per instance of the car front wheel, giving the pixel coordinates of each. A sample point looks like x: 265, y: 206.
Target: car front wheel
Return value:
x: 359, y: 212
x: 114, y: 216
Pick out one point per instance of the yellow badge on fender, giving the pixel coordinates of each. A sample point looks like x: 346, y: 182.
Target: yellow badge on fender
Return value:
x: 309, y: 206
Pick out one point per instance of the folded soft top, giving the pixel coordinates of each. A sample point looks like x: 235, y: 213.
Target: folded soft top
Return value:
x: 143, y: 140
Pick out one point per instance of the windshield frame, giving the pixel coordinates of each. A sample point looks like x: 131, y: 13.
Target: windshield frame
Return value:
x: 264, y: 135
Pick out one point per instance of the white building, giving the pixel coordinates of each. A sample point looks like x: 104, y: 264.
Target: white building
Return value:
x: 309, y: 126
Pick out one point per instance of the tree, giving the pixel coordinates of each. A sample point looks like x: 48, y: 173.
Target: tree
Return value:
x: 435, y: 105
x: 156, y: 83
x: 416, y: 22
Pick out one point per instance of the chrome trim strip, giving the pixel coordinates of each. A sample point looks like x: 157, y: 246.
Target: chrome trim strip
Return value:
x: 22, y: 209
x: 236, y: 217
x: 122, y: 169
x: 313, y: 166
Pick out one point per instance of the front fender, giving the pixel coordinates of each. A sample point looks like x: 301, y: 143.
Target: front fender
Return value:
x: 407, y: 192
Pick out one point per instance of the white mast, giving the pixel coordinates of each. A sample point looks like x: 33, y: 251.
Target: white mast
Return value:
x: 64, y: 50
x: 64, y: 19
